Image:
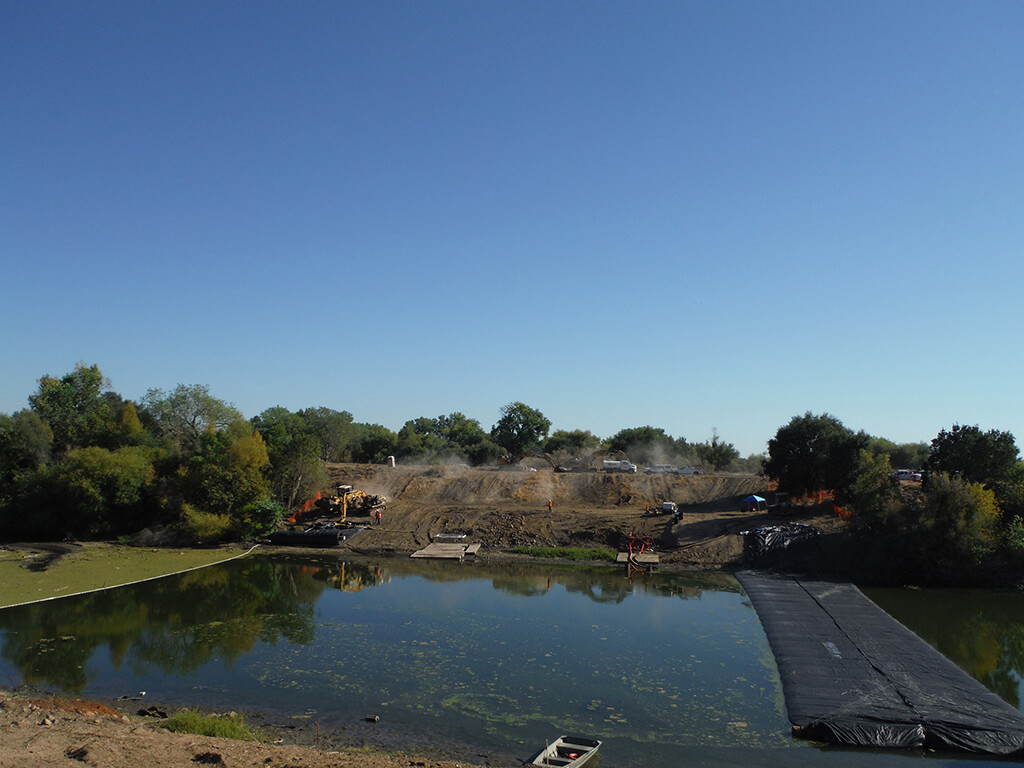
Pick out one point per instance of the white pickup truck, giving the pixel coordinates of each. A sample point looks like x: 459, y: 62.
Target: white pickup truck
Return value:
x: 907, y: 474
x: 659, y: 469
x: 689, y: 470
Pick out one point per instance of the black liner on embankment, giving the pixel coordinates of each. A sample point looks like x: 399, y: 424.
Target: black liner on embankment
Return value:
x: 853, y: 675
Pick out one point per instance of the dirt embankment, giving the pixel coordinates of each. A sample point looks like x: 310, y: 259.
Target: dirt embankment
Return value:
x: 506, y: 508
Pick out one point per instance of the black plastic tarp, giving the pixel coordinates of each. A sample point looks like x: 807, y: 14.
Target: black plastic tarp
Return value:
x: 852, y: 674
x: 770, y: 538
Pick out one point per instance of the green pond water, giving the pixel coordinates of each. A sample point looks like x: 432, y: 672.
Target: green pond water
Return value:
x: 483, y: 662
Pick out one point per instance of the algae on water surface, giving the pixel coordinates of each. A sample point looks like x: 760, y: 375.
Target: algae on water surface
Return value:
x: 76, y: 568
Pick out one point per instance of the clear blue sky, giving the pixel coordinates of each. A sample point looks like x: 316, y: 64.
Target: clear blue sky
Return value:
x: 694, y: 215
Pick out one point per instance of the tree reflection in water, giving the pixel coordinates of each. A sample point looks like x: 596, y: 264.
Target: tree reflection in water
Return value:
x: 166, y: 624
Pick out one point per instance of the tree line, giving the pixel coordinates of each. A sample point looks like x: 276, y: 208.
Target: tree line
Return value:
x: 83, y: 461
x: 966, y: 517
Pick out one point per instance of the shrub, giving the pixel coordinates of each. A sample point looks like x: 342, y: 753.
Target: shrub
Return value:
x: 204, y: 527
x: 229, y: 726
x: 261, y: 517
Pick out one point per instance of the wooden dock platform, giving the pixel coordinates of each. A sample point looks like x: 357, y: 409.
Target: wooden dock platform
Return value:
x: 448, y: 551
x: 643, y: 558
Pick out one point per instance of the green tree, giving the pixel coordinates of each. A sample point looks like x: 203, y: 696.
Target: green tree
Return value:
x: 373, y: 444
x: 451, y: 436
x: 978, y: 457
x: 129, y: 429
x: 901, y: 455
x: 25, y: 443
x: 333, y: 430
x: 716, y: 453
x: 421, y: 439
x: 228, y: 474
x: 296, y: 465
x: 73, y: 406
x: 187, y: 412
x: 644, y: 445
x: 959, y: 520
x: 814, y: 453
x: 520, y: 428
x: 874, y: 494
x: 92, y: 492
x: 576, y: 443
x: 464, y: 435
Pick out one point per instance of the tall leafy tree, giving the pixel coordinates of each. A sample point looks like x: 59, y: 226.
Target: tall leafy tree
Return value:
x: 461, y: 433
x: 576, y: 442
x: 874, y: 493
x: 188, y: 411
x: 25, y: 443
x: 228, y: 473
x: 907, y: 455
x: 296, y: 465
x: 976, y: 456
x: 716, y: 452
x: 373, y: 443
x: 959, y: 519
x: 814, y: 453
x: 420, y: 438
x: 520, y: 428
x: 333, y: 430
x: 73, y: 406
x: 644, y: 445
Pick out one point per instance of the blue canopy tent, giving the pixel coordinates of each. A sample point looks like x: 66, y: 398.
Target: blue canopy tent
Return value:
x: 754, y: 503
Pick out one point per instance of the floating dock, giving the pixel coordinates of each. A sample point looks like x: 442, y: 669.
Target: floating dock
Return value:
x: 646, y: 559
x: 852, y: 674
x: 442, y: 550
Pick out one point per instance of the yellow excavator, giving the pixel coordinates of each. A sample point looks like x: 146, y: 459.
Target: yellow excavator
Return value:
x: 343, y: 502
x: 349, y: 501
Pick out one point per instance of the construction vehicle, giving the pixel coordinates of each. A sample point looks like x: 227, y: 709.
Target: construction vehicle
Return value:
x: 344, y: 502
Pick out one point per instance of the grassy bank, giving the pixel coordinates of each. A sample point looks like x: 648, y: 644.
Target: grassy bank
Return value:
x: 29, y: 573
x: 569, y: 553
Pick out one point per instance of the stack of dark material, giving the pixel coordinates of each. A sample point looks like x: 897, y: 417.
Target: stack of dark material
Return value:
x: 852, y: 674
x: 772, y: 538
x: 317, y: 535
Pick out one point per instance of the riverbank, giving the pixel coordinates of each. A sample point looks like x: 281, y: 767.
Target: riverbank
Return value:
x: 43, y: 732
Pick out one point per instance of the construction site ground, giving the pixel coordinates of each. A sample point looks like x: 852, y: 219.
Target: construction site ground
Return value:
x: 508, y: 508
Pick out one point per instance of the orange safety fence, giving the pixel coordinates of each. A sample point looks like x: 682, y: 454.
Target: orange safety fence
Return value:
x: 308, y: 505
x: 842, y: 514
